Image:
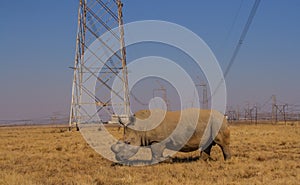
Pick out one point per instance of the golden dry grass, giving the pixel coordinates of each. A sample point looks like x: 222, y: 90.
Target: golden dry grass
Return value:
x: 262, y: 154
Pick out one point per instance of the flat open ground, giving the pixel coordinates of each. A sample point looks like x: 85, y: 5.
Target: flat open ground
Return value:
x: 262, y: 154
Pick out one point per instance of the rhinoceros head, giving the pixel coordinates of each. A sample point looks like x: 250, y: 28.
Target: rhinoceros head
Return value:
x: 129, y: 147
x: 124, y: 151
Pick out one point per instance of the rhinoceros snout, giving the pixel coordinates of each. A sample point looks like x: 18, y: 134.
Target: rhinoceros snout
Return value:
x: 118, y: 158
x: 124, y: 151
x: 121, y: 157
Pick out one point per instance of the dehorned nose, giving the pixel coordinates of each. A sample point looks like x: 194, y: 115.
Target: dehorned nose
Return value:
x: 118, y: 158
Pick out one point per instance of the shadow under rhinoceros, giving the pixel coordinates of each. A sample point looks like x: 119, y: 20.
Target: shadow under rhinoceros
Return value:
x: 169, y: 160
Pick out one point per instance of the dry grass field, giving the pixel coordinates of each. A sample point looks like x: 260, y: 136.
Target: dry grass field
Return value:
x: 262, y: 154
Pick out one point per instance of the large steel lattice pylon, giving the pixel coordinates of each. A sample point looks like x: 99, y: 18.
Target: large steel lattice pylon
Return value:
x: 95, y: 18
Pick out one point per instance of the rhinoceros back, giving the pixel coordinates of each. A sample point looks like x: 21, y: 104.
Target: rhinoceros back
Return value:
x: 188, y: 129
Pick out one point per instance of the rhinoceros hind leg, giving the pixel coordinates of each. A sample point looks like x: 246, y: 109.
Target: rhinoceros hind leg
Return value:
x: 205, y: 154
x: 226, y: 152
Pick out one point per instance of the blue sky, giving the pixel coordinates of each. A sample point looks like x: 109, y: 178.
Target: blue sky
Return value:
x: 37, y: 45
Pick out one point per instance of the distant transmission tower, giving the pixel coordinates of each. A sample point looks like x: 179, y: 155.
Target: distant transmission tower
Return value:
x: 274, y: 110
x: 163, y: 90
x: 95, y: 18
x: 204, y: 95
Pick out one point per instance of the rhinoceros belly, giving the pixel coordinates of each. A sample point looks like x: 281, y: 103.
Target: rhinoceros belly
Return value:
x: 189, y: 148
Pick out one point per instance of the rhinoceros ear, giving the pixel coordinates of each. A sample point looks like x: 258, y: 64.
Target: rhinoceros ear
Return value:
x: 132, y: 120
x: 120, y: 121
x: 126, y: 121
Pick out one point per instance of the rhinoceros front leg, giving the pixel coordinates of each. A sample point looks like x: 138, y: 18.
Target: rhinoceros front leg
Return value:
x: 157, y: 150
x: 226, y: 152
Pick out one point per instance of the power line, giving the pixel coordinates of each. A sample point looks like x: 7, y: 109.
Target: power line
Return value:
x: 138, y: 100
x: 243, y: 36
x: 266, y: 102
x: 233, y: 24
x: 238, y: 47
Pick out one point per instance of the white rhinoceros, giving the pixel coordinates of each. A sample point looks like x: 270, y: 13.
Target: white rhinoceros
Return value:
x: 209, y: 129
